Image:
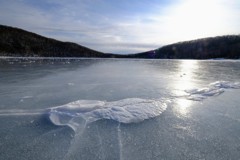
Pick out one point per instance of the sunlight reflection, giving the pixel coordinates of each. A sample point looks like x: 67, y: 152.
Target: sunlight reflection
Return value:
x: 183, y: 106
x: 186, y: 71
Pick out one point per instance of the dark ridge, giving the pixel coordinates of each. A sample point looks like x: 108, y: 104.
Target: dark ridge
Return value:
x: 207, y: 48
x: 18, y: 42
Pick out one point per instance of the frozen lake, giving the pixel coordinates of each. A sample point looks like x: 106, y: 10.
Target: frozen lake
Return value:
x: 119, y: 109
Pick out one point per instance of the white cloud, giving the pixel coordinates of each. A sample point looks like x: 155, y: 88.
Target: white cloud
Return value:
x: 101, y: 26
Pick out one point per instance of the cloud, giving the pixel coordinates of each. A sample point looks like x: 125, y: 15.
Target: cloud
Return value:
x: 123, y: 26
x: 122, y: 48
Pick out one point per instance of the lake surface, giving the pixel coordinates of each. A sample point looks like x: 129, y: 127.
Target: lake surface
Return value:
x: 119, y: 109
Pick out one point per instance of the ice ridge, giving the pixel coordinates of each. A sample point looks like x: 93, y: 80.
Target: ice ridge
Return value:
x: 212, y: 89
x: 130, y: 110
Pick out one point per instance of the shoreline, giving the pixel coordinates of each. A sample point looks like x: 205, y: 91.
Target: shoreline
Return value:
x: 72, y: 58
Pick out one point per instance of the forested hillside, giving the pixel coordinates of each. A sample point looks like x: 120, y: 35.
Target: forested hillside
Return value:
x: 17, y: 42
x: 214, y: 47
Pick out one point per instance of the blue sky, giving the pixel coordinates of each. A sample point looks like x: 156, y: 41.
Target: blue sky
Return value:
x: 123, y: 26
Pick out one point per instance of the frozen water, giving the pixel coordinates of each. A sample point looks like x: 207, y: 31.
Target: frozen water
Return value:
x: 119, y: 109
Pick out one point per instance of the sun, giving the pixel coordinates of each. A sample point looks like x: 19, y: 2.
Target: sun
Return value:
x: 192, y: 19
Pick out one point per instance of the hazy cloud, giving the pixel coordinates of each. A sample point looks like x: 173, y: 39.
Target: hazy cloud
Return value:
x: 123, y: 26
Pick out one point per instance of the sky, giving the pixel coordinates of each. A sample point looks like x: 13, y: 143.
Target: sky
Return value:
x: 123, y: 26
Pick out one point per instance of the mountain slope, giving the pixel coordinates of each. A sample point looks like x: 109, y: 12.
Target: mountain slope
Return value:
x: 213, y: 47
x: 18, y: 42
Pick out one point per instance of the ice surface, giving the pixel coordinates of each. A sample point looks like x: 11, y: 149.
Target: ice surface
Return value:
x: 21, y: 112
x: 113, y: 95
x: 124, y: 111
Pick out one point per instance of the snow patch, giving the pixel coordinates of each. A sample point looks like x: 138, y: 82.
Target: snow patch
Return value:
x: 212, y: 89
x: 130, y: 110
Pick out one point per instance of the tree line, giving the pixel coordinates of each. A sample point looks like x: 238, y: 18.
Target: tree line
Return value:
x: 18, y: 42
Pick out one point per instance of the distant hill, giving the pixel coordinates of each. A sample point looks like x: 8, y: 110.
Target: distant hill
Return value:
x: 207, y: 48
x: 18, y: 42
